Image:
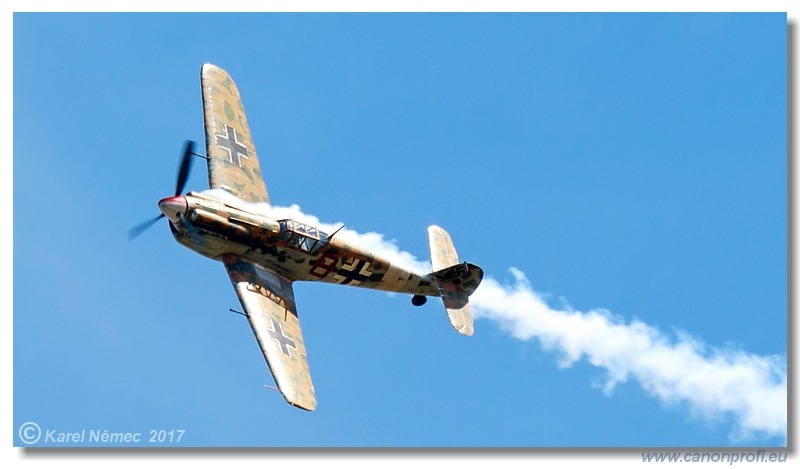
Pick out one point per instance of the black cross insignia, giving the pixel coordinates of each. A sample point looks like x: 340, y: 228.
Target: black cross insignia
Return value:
x: 284, y: 342
x: 355, y: 274
x: 230, y: 143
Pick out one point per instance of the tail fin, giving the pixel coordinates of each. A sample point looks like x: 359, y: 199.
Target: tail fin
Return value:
x: 455, y: 280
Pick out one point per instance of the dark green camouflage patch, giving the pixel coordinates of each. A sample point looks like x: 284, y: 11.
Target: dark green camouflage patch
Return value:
x: 229, y: 112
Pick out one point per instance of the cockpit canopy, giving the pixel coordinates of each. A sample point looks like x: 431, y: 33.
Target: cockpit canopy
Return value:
x: 301, y: 236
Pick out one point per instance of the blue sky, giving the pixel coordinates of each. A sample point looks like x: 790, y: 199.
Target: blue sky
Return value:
x: 632, y: 167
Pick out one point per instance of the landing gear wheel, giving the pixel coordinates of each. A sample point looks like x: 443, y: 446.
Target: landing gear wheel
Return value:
x: 419, y: 300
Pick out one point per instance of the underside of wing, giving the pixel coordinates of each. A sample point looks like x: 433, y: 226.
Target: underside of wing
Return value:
x: 232, y: 160
x: 268, y: 301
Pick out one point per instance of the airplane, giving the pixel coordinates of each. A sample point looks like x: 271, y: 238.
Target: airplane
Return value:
x: 265, y: 256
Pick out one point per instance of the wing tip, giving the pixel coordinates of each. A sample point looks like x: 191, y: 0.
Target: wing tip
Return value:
x: 214, y: 72
x: 208, y: 67
x: 307, y: 402
x: 308, y: 407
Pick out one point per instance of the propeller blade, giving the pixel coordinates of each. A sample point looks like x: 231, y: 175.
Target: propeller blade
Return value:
x: 186, y: 165
x: 139, y: 229
x: 183, y: 176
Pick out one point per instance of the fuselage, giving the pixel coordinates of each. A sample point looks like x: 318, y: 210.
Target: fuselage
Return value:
x: 295, y: 250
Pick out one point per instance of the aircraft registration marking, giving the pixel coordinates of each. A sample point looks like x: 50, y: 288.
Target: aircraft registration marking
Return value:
x: 324, y: 265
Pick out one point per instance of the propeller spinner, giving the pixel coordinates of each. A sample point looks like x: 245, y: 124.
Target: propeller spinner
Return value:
x: 170, y: 206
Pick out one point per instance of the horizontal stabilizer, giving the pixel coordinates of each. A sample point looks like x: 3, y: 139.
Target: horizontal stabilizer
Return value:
x: 455, y: 280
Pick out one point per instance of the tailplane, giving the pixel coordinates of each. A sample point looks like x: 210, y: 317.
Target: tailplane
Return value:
x: 455, y: 280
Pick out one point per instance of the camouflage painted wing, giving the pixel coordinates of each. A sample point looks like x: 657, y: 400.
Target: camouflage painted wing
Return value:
x: 268, y: 301
x: 232, y: 163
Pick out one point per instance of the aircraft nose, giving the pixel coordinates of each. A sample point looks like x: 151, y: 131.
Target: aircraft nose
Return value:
x: 173, y: 207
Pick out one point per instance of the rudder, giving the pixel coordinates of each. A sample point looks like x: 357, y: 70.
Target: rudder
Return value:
x: 455, y: 280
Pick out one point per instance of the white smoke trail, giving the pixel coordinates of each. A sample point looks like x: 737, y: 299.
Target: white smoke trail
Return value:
x: 713, y: 382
